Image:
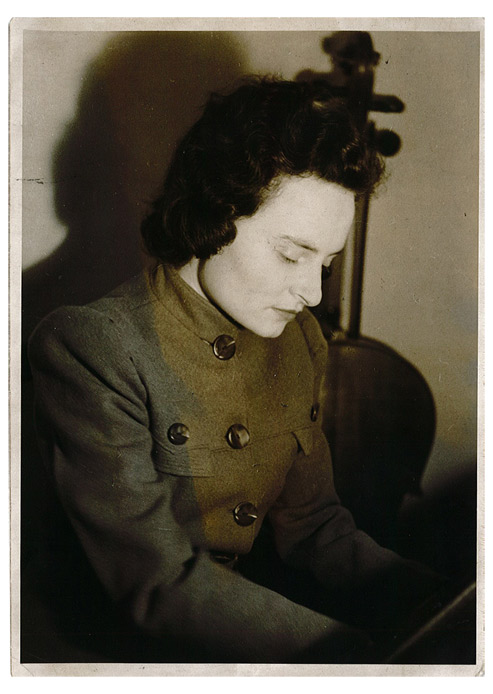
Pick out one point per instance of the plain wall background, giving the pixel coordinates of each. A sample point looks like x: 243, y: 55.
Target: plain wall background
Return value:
x: 102, y: 112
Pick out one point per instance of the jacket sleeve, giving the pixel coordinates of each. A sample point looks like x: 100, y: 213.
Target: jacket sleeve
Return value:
x: 93, y: 429
x: 365, y: 584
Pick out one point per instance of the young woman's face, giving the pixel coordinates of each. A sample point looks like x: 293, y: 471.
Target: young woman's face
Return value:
x: 273, y: 267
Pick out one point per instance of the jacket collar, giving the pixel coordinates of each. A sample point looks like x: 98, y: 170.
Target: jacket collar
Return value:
x: 195, y: 312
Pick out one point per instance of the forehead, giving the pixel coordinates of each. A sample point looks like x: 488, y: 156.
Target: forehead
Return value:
x: 309, y: 208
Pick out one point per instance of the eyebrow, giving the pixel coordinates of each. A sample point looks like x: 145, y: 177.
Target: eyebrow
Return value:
x: 302, y: 244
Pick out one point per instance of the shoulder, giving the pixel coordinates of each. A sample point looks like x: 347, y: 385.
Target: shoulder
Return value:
x: 81, y: 352
x: 128, y: 297
x: 73, y: 337
x: 110, y: 323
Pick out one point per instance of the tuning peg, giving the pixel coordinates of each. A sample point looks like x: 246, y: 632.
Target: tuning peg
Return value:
x: 388, y: 142
x: 350, y: 48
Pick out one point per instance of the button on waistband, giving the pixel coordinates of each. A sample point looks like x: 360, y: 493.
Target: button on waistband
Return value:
x: 223, y: 557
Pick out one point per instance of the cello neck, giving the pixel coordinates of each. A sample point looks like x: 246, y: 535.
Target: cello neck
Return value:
x: 360, y: 226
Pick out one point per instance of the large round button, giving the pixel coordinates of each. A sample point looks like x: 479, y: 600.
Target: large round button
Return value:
x: 238, y: 436
x: 314, y: 412
x: 224, y: 347
x: 178, y: 433
x: 245, y: 514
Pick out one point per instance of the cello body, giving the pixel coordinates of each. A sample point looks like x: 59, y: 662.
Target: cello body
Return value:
x: 379, y: 418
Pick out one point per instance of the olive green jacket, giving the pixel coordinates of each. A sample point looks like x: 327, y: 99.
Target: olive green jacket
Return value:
x: 155, y: 505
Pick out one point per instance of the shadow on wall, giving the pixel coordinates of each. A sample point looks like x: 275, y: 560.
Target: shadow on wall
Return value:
x: 140, y: 95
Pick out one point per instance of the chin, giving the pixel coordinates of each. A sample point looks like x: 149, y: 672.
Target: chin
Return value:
x: 274, y: 330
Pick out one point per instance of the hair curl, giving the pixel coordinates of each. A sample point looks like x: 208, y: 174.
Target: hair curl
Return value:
x: 226, y: 165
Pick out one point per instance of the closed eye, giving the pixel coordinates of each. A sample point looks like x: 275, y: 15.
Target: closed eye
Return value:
x: 287, y: 259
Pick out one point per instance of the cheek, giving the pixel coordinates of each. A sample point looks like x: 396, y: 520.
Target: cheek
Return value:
x: 256, y: 273
x: 247, y: 271
x: 266, y: 282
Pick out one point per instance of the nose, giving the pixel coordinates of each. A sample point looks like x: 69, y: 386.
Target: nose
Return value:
x: 309, y: 288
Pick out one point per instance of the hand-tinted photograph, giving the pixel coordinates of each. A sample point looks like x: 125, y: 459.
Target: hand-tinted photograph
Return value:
x: 247, y: 345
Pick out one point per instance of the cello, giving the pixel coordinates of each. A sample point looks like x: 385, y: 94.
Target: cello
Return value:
x: 379, y: 413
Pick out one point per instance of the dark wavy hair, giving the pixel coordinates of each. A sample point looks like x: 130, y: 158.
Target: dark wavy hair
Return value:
x: 230, y: 160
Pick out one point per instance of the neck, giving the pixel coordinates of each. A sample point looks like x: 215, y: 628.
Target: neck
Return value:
x: 190, y: 274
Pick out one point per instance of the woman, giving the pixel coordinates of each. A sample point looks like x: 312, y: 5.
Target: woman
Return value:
x: 180, y: 414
